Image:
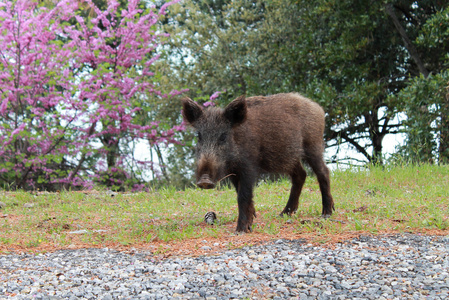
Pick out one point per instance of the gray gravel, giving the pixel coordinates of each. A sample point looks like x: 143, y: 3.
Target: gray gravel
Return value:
x: 403, y: 266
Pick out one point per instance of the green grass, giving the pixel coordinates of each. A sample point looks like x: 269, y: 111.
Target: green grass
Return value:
x: 375, y: 200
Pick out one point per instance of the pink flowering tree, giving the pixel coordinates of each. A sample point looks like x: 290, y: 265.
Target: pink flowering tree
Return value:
x: 74, y: 94
x: 212, y: 98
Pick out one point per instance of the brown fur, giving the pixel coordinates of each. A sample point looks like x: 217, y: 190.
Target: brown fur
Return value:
x: 256, y: 135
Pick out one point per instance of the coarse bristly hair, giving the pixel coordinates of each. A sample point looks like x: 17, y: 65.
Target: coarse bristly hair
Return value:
x: 263, y: 134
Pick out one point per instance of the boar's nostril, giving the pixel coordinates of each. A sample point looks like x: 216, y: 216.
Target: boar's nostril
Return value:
x: 205, y: 182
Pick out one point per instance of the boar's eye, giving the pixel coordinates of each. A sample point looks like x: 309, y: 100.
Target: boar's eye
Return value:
x: 223, y: 138
x: 199, y: 137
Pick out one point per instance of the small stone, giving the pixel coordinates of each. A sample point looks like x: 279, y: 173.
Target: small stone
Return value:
x: 280, y: 270
x: 78, y: 231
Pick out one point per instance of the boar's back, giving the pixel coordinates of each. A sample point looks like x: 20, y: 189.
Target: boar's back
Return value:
x: 279, y: 130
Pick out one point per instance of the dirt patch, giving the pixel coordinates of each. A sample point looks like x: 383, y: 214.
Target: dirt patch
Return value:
x: 206, y: 246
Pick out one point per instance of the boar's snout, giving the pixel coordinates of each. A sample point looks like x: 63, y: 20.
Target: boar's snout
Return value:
x: 205, y: 182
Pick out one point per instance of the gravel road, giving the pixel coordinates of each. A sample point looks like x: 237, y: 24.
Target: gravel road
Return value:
x: 406, y: 266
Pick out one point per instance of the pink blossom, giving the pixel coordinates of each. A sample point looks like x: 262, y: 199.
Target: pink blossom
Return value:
x: 4, y: 106
x: 214, y: 96
x: 164, y: 7
x: 64, y: 88
x: 18, y: 129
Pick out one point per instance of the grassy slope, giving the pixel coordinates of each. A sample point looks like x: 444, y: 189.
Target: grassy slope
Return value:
x: 376, y: 200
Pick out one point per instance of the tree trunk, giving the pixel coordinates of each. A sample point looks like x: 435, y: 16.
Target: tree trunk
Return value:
x: 111, y: 144
x: 376, y: 136
x: 161, y: 162
x: 407, y: 42
x: 444, y: 141
x: 443, y: 149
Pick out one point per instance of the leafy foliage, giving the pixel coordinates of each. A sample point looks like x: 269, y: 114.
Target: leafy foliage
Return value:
x: 352, y: 58
x: 426, y: 99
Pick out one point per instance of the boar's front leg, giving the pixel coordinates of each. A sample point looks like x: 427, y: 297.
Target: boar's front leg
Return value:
x: 245, y: 186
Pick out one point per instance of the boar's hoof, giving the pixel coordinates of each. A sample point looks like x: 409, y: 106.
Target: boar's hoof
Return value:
x: 287, y: 212
x: 244, y: 229
x: 326, y: 216
x: 205, y: 182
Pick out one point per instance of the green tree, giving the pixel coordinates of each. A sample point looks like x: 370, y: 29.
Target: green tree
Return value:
x: 353, y: 57
x: 426, y: 96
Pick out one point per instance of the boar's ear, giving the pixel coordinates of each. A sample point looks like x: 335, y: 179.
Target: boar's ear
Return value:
x: 236, y: 111
x: 191, y: 111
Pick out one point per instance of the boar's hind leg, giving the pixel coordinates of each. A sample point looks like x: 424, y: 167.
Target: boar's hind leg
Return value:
x: 316, y: 161
x: 245, y: 202
x: 298, y: 178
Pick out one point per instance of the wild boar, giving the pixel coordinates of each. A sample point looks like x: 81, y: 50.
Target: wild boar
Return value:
x: 260, y: 135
